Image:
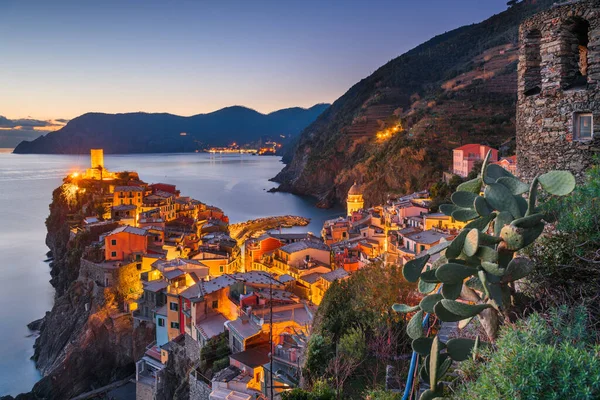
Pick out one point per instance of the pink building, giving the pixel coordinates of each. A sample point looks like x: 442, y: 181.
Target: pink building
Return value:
x: 509, y: 164
x: 465, y: 157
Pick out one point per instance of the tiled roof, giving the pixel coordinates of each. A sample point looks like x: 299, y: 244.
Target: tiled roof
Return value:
x: 311, y: 278
x: 427, y: 237
x: 129, y: 229
x: 257, y: 277
x: 155, y: 286
x: 286, y: 278
x: 244, y: 327
x: 128, y: 189
x: 304, y: 245
x: 336, y: 274
x: 173, y: 273
x: 212, y: 326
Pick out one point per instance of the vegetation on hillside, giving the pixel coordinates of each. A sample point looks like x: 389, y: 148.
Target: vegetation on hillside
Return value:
x: 544, y: 357
x: 458, y: 87
x: 356, y: 334
x: 567, y: 261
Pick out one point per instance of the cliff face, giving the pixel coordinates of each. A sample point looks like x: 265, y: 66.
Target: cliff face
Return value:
x: 84, y: 342
x: 80, y: 350
x: 162, y: 133
x: 457, y: 88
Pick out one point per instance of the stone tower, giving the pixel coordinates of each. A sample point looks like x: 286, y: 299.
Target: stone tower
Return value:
x: 558, y: 107
x: 97, y: 156
x: 355, y: 200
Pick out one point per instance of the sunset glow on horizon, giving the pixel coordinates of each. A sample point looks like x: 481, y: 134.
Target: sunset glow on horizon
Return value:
x: 65, y: 59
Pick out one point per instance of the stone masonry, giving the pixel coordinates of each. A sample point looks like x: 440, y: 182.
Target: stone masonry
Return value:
x: 558, y: 85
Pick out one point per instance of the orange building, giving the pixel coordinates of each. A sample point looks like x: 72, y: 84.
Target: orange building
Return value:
x: 125, y: 242
x: 465, y: 157
x: 256, y: 248
x: 128, y: 195
x: 509, y: 164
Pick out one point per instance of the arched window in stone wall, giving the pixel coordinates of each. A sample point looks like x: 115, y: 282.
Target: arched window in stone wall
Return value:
x: 533, y: 60
x: 574, y: 52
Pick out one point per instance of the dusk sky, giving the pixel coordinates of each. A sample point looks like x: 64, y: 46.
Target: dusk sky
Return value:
x: 60, y: 59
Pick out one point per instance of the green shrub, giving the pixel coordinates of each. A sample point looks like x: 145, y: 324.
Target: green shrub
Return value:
x: 540, y: 358
x: 566, y: 269
x: 321, y: 391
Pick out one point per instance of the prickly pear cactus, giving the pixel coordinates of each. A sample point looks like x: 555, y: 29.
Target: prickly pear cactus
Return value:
x: 472, y: 275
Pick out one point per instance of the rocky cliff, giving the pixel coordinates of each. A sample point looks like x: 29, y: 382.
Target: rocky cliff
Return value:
x: 394, y: 130
x: 165, y: 133
x: 84, y: 342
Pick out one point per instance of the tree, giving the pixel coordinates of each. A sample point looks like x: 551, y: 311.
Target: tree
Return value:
x: 350, y: 353
x: 100, y: 210
x: 128, y: 284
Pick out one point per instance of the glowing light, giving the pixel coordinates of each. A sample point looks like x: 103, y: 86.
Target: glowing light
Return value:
x: 389, y: 132
x: 75, y: 174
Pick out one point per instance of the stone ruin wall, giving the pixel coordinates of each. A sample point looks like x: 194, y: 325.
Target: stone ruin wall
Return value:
x: 557, y: 77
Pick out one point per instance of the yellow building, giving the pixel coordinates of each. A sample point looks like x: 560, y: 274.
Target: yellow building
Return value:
x: 97, y: 156
x: 97, y: 170
x: 355, y: 200
x: 441, y: 221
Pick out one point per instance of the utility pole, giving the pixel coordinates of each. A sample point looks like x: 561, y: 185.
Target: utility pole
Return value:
x: 271, y: 335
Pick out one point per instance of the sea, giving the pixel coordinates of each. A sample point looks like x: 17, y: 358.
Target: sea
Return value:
x: 237, y: 183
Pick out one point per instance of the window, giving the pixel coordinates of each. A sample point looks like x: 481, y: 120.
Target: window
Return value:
x: 113, y: 242
x: 221, y: 269
x: 161, y: 322
x: 174, y: 306
x: 533, y: 59
x: 138, y: 266
x: 113, y: 253
x: 583, y: 128
x: 575, y: 39
x: 215, y: 304
x: 174, y: 325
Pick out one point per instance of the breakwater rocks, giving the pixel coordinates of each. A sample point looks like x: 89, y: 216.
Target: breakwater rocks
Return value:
x: 242, y: 230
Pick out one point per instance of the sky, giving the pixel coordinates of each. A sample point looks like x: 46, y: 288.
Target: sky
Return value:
x: 60, y: 59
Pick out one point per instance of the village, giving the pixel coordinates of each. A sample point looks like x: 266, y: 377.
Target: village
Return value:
x: 253, y: 296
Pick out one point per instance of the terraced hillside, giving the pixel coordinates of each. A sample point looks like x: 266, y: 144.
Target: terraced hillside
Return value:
x: 394, y: 130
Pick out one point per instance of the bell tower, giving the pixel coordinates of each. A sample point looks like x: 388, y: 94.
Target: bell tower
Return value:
x: 355, y: 200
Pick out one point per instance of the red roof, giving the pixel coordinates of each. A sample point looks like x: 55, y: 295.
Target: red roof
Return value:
x: 471, y: 146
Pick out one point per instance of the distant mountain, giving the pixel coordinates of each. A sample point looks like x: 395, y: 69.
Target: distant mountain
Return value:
x: 459, y: 87
x: 165, y: 133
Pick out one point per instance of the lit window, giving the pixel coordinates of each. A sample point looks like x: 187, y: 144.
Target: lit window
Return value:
x: 583, y: 128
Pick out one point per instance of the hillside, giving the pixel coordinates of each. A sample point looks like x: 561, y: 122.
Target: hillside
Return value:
x: 458, y: 87
x: 161, y: 133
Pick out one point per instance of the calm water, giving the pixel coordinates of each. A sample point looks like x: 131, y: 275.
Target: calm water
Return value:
x: 238, y: 184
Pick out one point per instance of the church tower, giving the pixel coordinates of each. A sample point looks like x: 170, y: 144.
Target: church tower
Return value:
x: 355, y: 200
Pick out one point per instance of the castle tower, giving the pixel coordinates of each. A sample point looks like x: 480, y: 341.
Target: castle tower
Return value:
x: 558, y: 106
x: 355, y: 200
x: 97, y: 156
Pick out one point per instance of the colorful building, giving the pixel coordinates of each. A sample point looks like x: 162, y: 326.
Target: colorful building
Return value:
x: 128, y: 195
x: 125, y: 243
x: 465, y: 157
x: 509, y: 164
